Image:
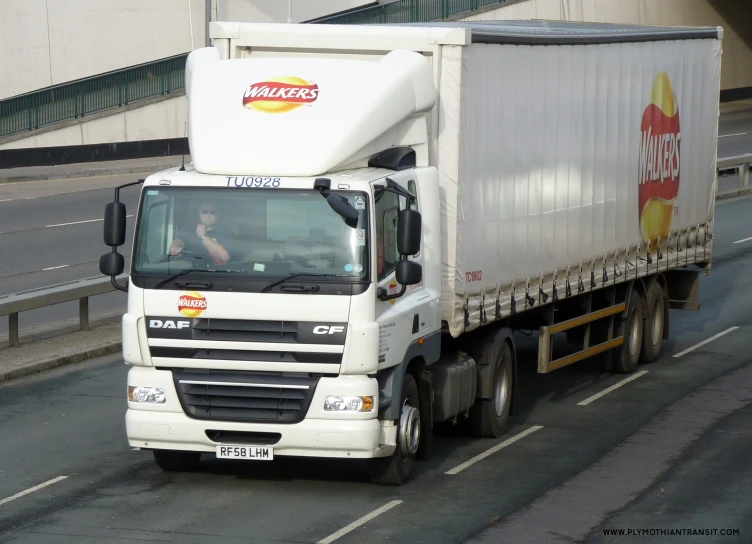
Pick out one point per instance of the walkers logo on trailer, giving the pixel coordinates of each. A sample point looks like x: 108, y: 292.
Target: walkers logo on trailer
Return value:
x: 280, y: 94
x: 659, y: 162
x: 192, y: 304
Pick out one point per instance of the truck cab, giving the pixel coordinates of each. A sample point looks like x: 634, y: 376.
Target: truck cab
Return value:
x: 293, y: 345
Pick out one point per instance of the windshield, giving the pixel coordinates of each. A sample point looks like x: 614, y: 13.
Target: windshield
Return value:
x: 260, y: 235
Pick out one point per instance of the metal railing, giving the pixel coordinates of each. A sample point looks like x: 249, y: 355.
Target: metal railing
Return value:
x: 78, y: 98
x: 407, y: 11
x: 81, y: 290
x: 741, y: 163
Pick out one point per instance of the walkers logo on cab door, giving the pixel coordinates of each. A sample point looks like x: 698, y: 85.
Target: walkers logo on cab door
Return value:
x: 280, y: 94
x: 192, y: 304
x: 659, y: 162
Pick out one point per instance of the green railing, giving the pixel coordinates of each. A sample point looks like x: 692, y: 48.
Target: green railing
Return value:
x: 407, y: 11
x: 79, y: 98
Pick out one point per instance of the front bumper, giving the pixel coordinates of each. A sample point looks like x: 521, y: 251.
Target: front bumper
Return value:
x: 320, y: 434
x: 309, y: 438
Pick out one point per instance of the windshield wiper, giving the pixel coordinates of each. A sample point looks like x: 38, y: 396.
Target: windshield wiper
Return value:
x: 297, y: 274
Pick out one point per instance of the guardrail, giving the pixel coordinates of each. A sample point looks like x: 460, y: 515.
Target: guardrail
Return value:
x: 78, y: 98
x: 81, y: 290
x: 407, y: 11
x: 741, y: 163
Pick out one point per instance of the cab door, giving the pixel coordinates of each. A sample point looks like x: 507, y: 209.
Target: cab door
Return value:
x: 400, y: 320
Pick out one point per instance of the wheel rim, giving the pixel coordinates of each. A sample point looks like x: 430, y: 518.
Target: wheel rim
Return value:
x: 635, y: 335
x: 501, y: 388
x: 657, y: 332
x: 409, y: 430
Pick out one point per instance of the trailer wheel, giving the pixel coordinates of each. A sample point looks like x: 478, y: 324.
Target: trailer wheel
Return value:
x: 624, y: 359
x: 177, y: 461
x: 396, y: 469
x: 655, y: 324
x: 488, y: 417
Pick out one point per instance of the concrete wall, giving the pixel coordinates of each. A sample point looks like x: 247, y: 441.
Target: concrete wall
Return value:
x: 275, y: 11
x: 163, y: 119
x: 46, y: 42
x: 735, y: 16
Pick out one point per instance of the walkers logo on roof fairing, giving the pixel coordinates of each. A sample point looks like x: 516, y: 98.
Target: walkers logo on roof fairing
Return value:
x: 280, y: 94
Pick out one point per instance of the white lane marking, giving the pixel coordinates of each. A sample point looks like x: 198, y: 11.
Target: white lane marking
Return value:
x: 358, y: 522
x: 77, y: 222
x: 6, y: 200
x: 491, y: 451
x: 731, y: 329
x: 55, y: 267
x: 612, y: 388
x: 32, y: 489
x: 737, y: 134
x: 73, y: 223
x: 744, y: 240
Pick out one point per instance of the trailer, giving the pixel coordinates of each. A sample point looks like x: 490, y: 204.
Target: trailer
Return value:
x: 371, y: 212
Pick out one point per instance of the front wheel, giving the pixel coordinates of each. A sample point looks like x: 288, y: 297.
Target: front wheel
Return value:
x: 488, y: 417
x: 396, y: 469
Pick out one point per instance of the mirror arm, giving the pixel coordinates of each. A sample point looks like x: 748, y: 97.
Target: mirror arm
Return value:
x: 116, y: 285
x: 383, y: 296
x: 117, y: 189
x: 394, y: 187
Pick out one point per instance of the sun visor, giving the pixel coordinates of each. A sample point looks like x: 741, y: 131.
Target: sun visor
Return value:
x: 298, y: 116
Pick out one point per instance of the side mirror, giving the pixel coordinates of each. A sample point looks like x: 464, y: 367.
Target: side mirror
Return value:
x: 408, y: 233
x: 111, y: 264
x: 114, y: 224
x: 408, y: 273
x: 342, y: 207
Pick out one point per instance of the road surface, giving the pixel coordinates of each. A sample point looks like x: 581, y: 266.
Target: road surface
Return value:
x: 667, y: 450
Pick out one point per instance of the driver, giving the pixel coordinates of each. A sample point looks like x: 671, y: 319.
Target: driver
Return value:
x: 205, y: 239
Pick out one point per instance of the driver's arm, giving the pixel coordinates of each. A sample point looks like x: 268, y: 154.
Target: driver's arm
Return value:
x: 176, y: 247
x: 215, y: 249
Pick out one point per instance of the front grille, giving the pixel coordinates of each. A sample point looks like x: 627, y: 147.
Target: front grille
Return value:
x: 249, y: 397
x: 242, y: 330
x: 248, y: 355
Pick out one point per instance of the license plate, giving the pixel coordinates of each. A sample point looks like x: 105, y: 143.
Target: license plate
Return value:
x: 251, y: 453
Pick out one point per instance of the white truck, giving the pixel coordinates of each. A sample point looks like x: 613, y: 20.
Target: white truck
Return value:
x: 370, y: 212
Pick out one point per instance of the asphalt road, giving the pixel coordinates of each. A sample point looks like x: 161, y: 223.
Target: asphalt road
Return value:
x: 51, y: 233
x: 668, y: 450
x: 735, y: 134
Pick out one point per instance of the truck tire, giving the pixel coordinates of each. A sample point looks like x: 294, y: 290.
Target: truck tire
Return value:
x: 655, y: 325
x: 624, y: 359
x: 396, y: 469
x: 177, y: 461
x: 488, y: 417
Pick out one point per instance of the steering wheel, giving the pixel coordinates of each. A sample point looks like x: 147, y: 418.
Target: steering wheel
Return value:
x: 185, y: 254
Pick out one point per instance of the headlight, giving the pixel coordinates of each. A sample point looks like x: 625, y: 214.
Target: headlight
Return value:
x: 348, y: 404
x: 153, y: 395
